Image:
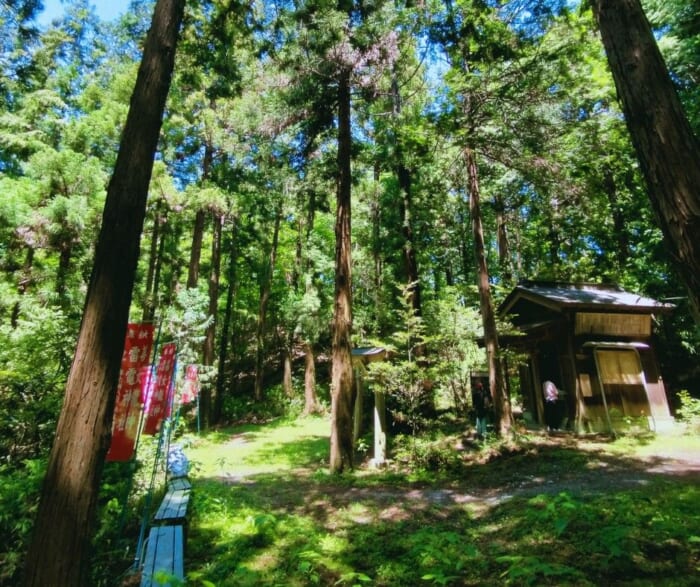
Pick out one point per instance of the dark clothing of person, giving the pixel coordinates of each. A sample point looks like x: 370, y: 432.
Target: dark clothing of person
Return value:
x: 481, y: 400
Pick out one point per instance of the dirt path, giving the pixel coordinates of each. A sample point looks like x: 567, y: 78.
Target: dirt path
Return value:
x: 549, y: 465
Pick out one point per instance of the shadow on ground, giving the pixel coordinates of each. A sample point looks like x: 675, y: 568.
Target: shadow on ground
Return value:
x: 558, y: 511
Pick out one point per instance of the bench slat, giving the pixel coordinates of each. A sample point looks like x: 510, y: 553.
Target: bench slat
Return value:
x: 165, y: 553
x: 174, y: 505
x: 179, y: 483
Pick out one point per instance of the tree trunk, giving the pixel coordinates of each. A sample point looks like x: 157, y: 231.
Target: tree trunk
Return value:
x: 622, y: 251
x: 208, y: 349
x: 214, y: 278
x: 497, y: 385
x: 63, y: 270
x: 377, y: 246
x: 225, y: 329
x: 199, y: 222
x: 667, y: 149
x: 158, y: 266
x: 465, y: 253
x: 59, y: 551
x: 265, y: 287
x: 149, y: 302
x: 196, y: 250
x: 310, y: 397
x: 403, y: 175
x: 341, y: 455
x: 24, y: 281
x: 554, y: 236
x: 288, y: 337
x: 302, y: 235
x: 504, y: 259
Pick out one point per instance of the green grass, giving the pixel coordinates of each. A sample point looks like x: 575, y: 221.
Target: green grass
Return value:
x: 266, y: 512
x: 281, y: 445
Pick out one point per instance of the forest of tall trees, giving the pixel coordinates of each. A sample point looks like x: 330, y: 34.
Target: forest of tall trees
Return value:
x: 327, y: 175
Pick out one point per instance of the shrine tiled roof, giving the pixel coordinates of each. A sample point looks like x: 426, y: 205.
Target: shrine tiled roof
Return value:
x: 590, y: 296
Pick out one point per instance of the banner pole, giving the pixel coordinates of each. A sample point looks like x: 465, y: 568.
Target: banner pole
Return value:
x: 149, y: 382
x: 171, y: 422
x: 198, y: 425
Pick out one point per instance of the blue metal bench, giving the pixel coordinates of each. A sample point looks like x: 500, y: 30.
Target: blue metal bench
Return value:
x: 164, y: 561
x: 173, y: 508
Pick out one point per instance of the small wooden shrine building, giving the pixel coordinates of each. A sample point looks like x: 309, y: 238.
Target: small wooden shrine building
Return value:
x: 594, y: 342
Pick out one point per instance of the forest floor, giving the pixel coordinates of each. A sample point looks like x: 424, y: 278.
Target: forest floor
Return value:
x: 547, y: 464
x: 546, y: 509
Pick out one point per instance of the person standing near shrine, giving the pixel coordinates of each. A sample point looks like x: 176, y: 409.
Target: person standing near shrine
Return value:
x: 481, y: 402
x: 551, y: 405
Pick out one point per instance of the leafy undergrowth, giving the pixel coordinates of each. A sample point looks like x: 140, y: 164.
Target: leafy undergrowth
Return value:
x: 536, y: 511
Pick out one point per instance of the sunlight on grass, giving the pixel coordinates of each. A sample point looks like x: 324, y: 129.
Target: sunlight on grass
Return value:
x: 676, y: 444
x: 662, y: 443
x: 254, y: 450
x: 266, y: 512
x: 333, y: 544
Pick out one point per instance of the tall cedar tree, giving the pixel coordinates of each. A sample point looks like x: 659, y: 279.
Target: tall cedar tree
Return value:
x: 265, y: 292
x: 58, y: 554
x: 667, y: 149
x: 341, y: 455
x: 497, y: 378
x: 458, y: 43
x: 404, y: 176
x: 209, y: 350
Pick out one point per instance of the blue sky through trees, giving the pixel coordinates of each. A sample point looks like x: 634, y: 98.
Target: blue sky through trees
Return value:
x: 106, y: 10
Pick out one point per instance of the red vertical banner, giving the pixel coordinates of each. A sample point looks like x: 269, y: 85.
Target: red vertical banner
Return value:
x: 190, y: 388
x: 159, y: 401
x: 127, y: 409
x: 147, y: 381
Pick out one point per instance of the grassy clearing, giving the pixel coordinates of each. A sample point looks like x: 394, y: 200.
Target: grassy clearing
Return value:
x: 536, y: 512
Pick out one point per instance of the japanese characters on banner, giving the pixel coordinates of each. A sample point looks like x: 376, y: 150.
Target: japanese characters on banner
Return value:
x: 127, y: 410
x: 190, y: 387
x: 148, y: 380
x: 159, y: 401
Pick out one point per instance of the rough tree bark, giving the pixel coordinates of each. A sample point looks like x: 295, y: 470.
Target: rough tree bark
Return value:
x: 200, y: 218
x: 504, y: 259
x: 667, y: 149
x: 497, y: 385
x: 218, y: 406
x: 59, y: 551
x: 404, y: 178
x: 311, y: 405
x: 341, y: 455
x: 609, y: 187
x: 377, y: 245
x: 265, y: 289
x: 154, y: 258
x: 65, y: 257
x: 159, y: 261
x: 208, y: 348
x: 497, y: 380
x: 199, y: 224
x: 25, y: 279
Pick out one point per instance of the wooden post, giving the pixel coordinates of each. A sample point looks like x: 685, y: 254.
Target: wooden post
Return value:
x: 357, y: 412
x: 379, y: 428
x: 537, y: 388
